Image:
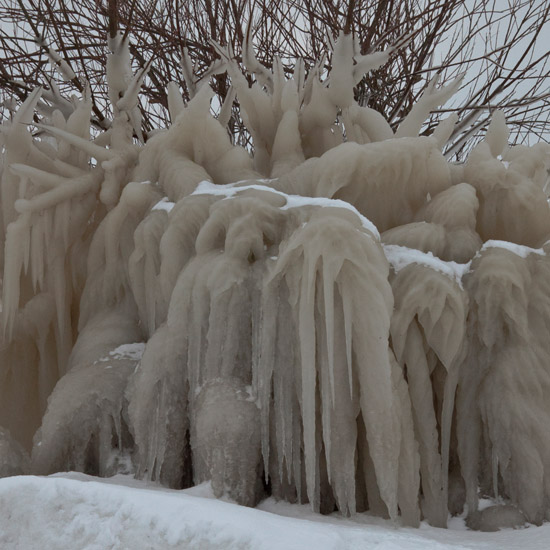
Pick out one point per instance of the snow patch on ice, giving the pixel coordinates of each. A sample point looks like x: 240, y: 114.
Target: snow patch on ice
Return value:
x: 164, y: 204
x: 129, y: 351
x: 486, y: 503
x: 126, y: 351
x: 400, y: 257
x: 292, y: 201
x: 518, y: 249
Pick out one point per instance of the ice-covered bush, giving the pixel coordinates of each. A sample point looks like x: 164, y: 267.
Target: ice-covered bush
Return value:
x: 341, y: 316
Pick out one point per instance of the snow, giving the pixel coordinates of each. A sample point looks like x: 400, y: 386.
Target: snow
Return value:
x: 126, y: 351
x: 292, y: 201
x: 518, y: 249
x: 164, y: 204
x: 73, y: 511
x: 400, y: 257
x: 129, y: 351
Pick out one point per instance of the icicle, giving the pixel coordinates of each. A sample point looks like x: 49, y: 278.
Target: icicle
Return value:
x: 65, y: 191
x: 118, y: 69
x: 99, y: 153
x: 265, y: 78
x: 38, y: 177
x: 429, y: 100
x: 328, y: 294
x: 175, y: 101
x: 37, y: 254
x: 444, y: 130
x: 309, y: 384
x: 347, y: 306
x: 299, y: 74
x: 263, y: 376
x: 370, y: 62
x: 15, y: 234
x: 225, y: 112
x: 61, y: 65
x: 187, y: 70
x: 342, y: 72
x: 497, y: 134
x: 130, y: 98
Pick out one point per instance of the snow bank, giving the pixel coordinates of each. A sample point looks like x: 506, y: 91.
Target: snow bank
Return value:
x: 77, y: 512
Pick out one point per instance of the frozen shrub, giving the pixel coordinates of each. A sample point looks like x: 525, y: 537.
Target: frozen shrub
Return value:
x: 188, y: 310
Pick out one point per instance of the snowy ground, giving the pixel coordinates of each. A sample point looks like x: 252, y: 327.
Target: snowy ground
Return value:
x: 74, y: 511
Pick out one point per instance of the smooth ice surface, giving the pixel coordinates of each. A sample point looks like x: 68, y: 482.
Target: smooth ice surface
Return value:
x: 76, y: 512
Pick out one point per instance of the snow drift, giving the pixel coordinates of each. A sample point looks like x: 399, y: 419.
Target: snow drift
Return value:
x: 318, y: 320
x: 73, y: 511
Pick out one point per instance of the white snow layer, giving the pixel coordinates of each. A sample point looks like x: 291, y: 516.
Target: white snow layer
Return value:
x: 292, y: 201
x: 127, y: 351
x: 400, y: 257
x: 74, y: 511
x: 517, y: 249
x: 164, y: 204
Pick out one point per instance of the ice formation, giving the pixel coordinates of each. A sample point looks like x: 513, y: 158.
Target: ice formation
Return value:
x: 319, y: 319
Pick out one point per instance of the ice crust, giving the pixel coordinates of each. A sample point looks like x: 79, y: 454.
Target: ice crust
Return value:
x: 320, y: 321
